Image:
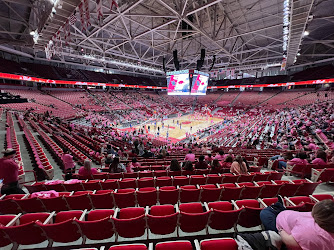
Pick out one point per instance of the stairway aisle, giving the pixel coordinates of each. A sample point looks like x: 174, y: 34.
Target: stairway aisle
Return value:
x: 2, y: 131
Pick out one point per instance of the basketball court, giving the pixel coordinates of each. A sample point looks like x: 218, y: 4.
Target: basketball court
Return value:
x: 178, y: 127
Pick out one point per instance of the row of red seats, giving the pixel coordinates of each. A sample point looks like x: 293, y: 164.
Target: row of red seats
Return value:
x: 146, y: 180
x: 226, y: 177
x: 80, y: 157
x: 305, y: 170
x: 149, y: 196
x: 52, y: 146
x: 69, y: 226
x: 40, y: 158
x: 210, y: 244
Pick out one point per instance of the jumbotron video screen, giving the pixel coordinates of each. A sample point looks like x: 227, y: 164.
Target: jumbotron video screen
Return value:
x: 178, y: 82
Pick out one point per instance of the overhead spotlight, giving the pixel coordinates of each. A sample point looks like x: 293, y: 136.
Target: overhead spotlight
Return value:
x: 306, y: 33
x: 298, y: 54
x: 32, y: 33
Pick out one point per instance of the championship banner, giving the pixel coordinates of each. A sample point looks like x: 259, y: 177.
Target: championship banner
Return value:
x: 113, y: 5
x: 283, y: 65
x: 86, y: 5
x: 99, y: 11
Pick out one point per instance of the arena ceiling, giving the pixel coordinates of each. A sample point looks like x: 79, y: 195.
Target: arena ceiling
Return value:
x: 242, y: 34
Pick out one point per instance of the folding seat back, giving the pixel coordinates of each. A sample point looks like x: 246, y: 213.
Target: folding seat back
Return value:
x: 101, y: 176
x: 159, y: 173
x: 4, y: 220
x: 250, y: 215
x: 289, y: 189
x: 273, y: 176
x: 31, y: 205
x: 98, y: 225
x: 250, y: 192
x: 210, y: 192
x: 132, y: 217
x: 9, y: 206
x: 147, y: 196
x: 214, y: 179
x: 245, y: 178
x: 187, y: 172
x: 115, y: 175
x: 130, y: 175
x: 307, y: 188
x: 55, y: 204
x: 174, y: 173
x: 269, y: 201
x: 157, y: 167
x: 163, y: 181
x: 127, y: 183
x: 109, y: 184
x: 261, y: 176
x: 229, y: 178
x: 26, y: 232
x: 223, y: 217
x: 301, y: 199
x: 128, y: 247
x: 125, y: 197
x: 36, y: 187
x: 192, y: 217
x: 225, y: 243
x: 230, y: 193
x: 168, y: 195
x: 189, y: 193
x: 143, y: 174
x: 103, y: 200
x: 202, y: 171
x: 197, y: 180
x: 145, y: 182
x: 64, y: 229
x: 180, y: 180
x: 269, y: 190
x: 162, y: 219
x: 320, y: 197
x: 176, y: 245
x: 79, y: 202
x: 91, y: 185
x: 57, y: 187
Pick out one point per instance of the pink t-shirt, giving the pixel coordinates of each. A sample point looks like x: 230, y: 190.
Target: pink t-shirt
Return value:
x: 304, y: 230
x: 297, y: 161
x: 190, y: 157
x: 85, y: 172
x: 68, y: 161
x: 319, y: 161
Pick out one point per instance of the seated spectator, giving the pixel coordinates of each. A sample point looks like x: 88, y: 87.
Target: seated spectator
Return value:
x: 69, y: 165
x: 215, y: 166
x: 108, y: 160
x: 238, y: 166
x: 133, y: 165
x: 174, y: 166
x: 188, y: 166
x: 87, y: 169
x: 190, y: 156
x: 321, y: 158
x: 9, y: 173
x: 302, y: 230
x: 227, y: 162
x: 230, y: 153
x: 201, y: 164
x: 300, y: 159
x: 220, y: 156
x: 116, y: 166
x: 208, y: 158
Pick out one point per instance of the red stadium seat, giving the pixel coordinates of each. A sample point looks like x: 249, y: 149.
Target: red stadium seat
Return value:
x: 193, y: 218
x: 125, y: 197
x: 147, y: 196
x: 223, y: 216
x: 162, y: 219
x: 168, y: 195
x: 189, y: 193
x: 210, y: 192
x: 225, y: 243
x: 175, y: 245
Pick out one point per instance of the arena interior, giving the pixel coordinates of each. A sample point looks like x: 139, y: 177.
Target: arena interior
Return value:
x: 107, y: 156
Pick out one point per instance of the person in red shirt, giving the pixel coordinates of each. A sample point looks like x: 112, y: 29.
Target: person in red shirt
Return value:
x: 201, y: 164
x: 9, y: 172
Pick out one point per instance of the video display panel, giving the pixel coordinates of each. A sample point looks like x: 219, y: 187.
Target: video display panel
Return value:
x: 199, y: 83
x: 178, y: 83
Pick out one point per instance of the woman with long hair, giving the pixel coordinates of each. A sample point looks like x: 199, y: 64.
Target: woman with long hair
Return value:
x: 87, y: 169
x: 174, y: 165
x: 238, y: 166
x: 116, y: 166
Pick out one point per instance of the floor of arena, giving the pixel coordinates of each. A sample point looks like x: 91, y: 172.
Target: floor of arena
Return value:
x: 177, y: 128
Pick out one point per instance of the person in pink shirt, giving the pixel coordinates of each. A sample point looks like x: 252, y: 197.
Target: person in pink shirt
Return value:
x: 302, y: 230
x: 9, y: 172
x: 321, y: 158
x: 220, y: 156
x: 87, y: 169
x: 68, y: 162
x: 190, y: 156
